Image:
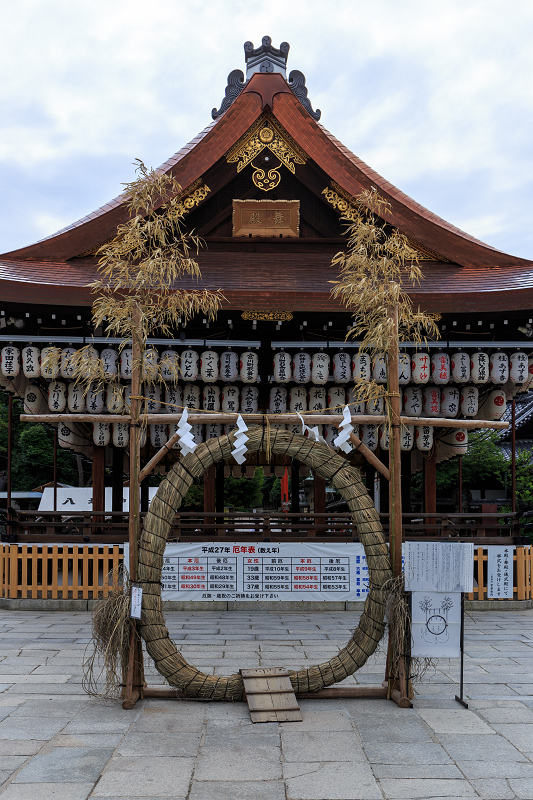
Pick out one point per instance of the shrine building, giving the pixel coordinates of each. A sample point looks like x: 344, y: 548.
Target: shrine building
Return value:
x: 269, y: 189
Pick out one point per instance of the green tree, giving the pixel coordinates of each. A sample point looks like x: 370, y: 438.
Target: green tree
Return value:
x: 244, y: 494
x: 33, y: 459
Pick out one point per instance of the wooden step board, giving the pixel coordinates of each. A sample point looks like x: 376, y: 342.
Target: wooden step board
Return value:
x: 270, y: 695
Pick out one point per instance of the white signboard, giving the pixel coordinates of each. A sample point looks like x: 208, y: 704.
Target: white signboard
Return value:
x: 436, y: 624
x: 263, y: 571
x: 500, y: 571
x: 439, y: 566
x: 73, y: 498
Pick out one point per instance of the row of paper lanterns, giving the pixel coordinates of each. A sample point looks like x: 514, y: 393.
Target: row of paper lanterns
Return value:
x: 117, y: 433
x: 301, y: 368
x: 417, y: 401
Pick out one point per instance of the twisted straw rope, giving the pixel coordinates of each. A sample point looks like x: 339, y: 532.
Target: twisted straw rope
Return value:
x: 347, y: 481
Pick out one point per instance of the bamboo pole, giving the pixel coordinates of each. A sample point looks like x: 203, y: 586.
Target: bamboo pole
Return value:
x: 146, y: 470
x: 281, y: 419
x: 395, y: 481
x: 133, y: 682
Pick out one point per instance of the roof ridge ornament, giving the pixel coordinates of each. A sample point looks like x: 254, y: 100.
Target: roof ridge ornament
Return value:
x: 266, y: 60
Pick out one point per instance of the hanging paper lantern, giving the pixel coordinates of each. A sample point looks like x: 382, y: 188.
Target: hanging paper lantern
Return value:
x: 209, y: 366
x: 150, y: 364
x: 101, y: 434
x: 440, y: 368
x: 336, y: 399
x: 431, y: 402
x: 76, y: 398
x: 230, y: 399
x: 10, y: 361
x: 375, y: 406
x: 298, y: 400
x: 158, y: 435
x: 109, y: 359
x: 341, y: 367
x: 95, y: 400
x: 518, y: 367
x: 51, y: 371
x: 301, y: 367
x: 66, y: 370
x: 249, y: 367
x: 121, y: 434
x: 469, y: 401
x: 169, y: 365
x: 479, y: 367
x: 412, y: 401
x: 356, y: 406
x: 361, y: 367
x: 450, y: 401
x: 369, y: 436
x: 57, y: 396
x: 68, y: 436
x: 407, y: 437
x: 420, y: 367
x: 191, y: 395
x: 211, y: 398
x: 278, y: 400
x: 229, y: 365
x: 31, y: 361
x: 197, y: 432
x: 424, y: 438
x: 384, y: 437
x: 330, y: 433
x: 529, y: 381
x: 213, y: 431
x: 190, y: 361
x: 317, y: 398
x: 153, y: 394
x: 460, y: 365
x: 35, y: 401
x: 320, y: 368
x: 493, y: 407
x: 173, y: 399
x: 126, y: 363
x: 457, y: 440
x: 499, y: 367
x: 404, y: 369
x: 379, y: 368
x: 114, y: 398
x: 249, y: 399
x: 90, y: 368
x: 282, y: 367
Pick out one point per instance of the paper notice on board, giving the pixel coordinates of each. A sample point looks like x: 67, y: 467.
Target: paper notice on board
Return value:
x: 436, y: 624
x: 500, y: 571
x: 439, y: 566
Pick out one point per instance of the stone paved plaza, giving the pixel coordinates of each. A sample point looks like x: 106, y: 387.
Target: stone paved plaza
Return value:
x: 57, y: 743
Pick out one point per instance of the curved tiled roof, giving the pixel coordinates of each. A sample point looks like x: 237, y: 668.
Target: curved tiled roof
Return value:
x: 479, y: 276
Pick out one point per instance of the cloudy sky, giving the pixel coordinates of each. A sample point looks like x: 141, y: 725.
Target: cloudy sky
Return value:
x: 436, y: 96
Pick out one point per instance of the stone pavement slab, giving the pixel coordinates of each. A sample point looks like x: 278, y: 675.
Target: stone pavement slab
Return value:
x: 55, y: 742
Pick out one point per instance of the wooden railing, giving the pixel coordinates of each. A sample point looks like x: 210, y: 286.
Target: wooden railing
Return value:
x: 112, y: 527
x: 81, y: 571
x: 58, y: 571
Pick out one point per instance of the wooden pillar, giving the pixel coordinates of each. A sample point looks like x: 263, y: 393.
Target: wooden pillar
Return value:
x: 513, y: 456
x: 209, y: 497
x: 98, y: 486
x: 430, y: 489
x: 219, y: 487
x: 9, y: 448
x: 117, y: 479
x: 55, y: 467
x: 395, y: 465
x: 295, y: 486
x: 406, y: 481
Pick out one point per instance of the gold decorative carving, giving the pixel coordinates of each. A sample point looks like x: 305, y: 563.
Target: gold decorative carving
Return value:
x: 266, y: 133
x: 266, y: 181
x: 192, y: 196
x: 267, y: 316
x: 266, y: 218
x: 347, y: 205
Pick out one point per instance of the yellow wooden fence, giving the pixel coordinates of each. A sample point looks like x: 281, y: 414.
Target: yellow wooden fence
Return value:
x: 81, y: 571
x: 58, y: 571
